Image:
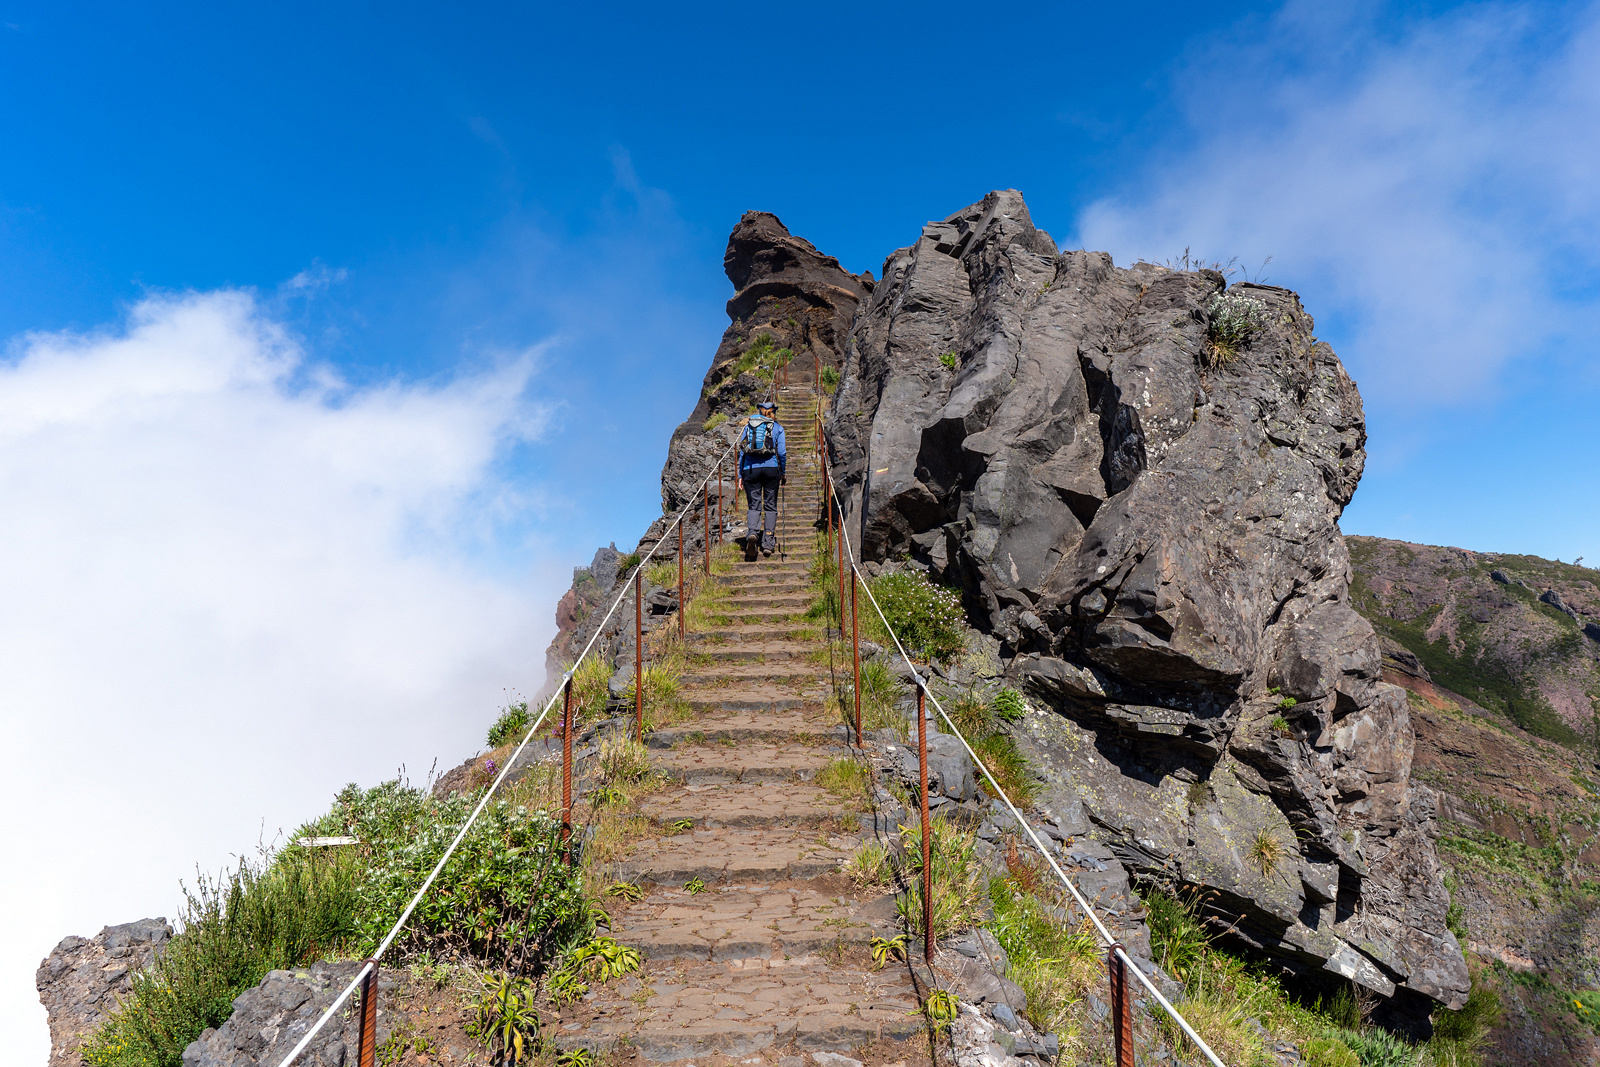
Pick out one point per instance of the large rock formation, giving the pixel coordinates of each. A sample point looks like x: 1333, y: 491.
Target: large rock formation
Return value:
x: 1150, y: 528
x: 83, y: 978
x: 788, y: 298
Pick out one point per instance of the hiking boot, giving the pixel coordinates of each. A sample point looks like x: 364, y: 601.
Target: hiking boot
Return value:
x: 769, y: 544
x: 750, y: 548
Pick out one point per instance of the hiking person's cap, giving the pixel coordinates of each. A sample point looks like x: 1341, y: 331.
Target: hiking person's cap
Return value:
x: 767, y: 405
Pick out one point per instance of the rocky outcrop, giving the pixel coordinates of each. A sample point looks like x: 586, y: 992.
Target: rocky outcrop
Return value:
x: 789, y: 299
x: 81, y: 980
x: 1148, y: 523
x: 269, y: 1020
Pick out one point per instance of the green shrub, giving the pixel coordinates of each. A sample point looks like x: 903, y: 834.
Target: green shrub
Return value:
x: 1379, y: 1048
x: 503, y: 897
x: 1234, y: 317
x: 1055, y: 964
x: 626, y: 564
x: 1328, y: 1052
x: 714, y: 421
x: 511, y: 725
x: 1585, y: 1005
x: 1178, y: 935
x: 1009, y: 705
x: 235, y: 929
x: 830, y: 379
x: 958, y: 878
x: 1010, y: 769
x: 927, y: 618
x: 948, y: 361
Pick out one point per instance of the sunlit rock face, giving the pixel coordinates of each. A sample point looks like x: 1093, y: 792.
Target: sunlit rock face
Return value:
x: 1149, y: 525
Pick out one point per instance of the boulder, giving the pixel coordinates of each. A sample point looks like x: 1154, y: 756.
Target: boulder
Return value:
x: 1148, y: 523
x: 82, y: 979
x: 269, y: 1020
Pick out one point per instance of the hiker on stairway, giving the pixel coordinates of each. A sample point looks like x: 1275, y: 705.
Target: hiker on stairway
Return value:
x: 763, y: 458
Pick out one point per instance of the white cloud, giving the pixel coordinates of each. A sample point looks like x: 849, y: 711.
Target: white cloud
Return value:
x: 230, y: 583
x: 1434, y: 188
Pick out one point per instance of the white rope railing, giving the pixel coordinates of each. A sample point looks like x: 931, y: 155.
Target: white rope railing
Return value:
x: 399, y: 925
x: 922, y: 683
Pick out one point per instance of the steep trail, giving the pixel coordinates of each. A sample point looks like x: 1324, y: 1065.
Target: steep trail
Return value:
x: 754, y: 940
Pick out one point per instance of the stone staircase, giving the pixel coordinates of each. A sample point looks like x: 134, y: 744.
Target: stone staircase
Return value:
x: 756, y: 945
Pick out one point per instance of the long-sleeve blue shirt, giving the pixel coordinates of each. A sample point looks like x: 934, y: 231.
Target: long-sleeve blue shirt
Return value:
x: 780, y: 460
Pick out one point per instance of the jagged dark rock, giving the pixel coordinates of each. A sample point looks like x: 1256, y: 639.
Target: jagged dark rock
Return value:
x: 1150, y: 527
x: 270, y: 1019
x: 81, y: 980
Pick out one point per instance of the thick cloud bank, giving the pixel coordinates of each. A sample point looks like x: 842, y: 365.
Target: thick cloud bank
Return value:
x: 230, y: 583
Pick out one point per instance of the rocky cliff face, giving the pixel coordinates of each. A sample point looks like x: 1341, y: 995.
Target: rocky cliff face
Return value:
x: 1152, y: 533
x: 82, y: 979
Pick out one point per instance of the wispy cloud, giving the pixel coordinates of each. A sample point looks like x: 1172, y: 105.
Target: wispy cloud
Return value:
x: 1434, y: 185
x: 232, y: 583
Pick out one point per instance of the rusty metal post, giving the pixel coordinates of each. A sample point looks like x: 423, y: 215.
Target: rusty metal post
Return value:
x: 719, y: 503
x: 367, y: 1031
x: 840, y: 538
x: 1121, y: 1011
x: 855, y: 643
x: 927, y: 832
x: 638, y: 654
x: 705, y: 533
x: 566, y: 771
x: 680, y: 580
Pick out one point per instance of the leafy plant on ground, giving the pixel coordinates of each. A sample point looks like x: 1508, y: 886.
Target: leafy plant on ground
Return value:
x: 504, y: 1018
x: 1009, y: 705
x: 958, y: 878
x: 1328, y: 1052
x: 234, y: 929
x: 886, y: 948
x: 948, y: 361
x: 1177, y: 934
x: 983, y: 723
x: 694, y: 886
x: 627, y: 563
x: 626, y: 890
x: 830, y: 380
x: 941, y: 1008
x: 511, y: 725
x: 927, y: 618
x: 714, y: 421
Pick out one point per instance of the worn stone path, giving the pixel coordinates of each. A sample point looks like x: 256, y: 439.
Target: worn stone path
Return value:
x: 754, y: 941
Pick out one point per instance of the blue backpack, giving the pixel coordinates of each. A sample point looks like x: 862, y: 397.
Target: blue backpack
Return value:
x: 760, y: 439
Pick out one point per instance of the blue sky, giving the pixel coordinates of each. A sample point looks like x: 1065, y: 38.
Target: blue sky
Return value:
x: 336, y: 334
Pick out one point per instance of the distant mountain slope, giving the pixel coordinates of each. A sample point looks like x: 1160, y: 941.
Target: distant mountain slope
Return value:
x: 1500, y: 655
x: 1518, y: 635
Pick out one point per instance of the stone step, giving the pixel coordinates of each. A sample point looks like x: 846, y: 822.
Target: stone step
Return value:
x: 766, y: 617
x: 706, y: 640
x: 707, y: 677
x: 689, y: 1010
x: 770, y: 652
x: 731, y: 922
x: 745, y: 762
x: 772, y: 725
x: 735, y: 856
x: 744, y: 699
x: 792, y: 601
x: 757, y: 805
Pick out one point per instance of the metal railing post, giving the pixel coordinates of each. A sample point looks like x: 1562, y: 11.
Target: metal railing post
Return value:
x: 927, y: 831
x: 719, y: 503
x: 367, y: 1029
x: 855, y: 643
x: 566, y: 772
x: 839, y: 538
x: 705, y: 533
x: 638, y: 654
x: 1121, y: 1010
x: 681, y: 605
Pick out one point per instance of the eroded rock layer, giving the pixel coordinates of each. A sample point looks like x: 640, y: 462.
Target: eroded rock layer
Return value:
x: 1149, y: 525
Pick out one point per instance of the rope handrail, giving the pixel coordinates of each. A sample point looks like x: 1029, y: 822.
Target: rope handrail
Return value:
x: 394, y: 931
x: 922, y: 684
